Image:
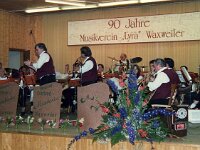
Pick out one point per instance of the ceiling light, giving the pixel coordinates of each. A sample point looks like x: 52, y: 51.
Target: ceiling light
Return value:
x: 73, y: 8
x: 42, y: 9
x: 65, y: 2
x: 105, y: 4
x: 149, y: 1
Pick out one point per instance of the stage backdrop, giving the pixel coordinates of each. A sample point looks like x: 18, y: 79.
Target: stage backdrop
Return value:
x: 173, y: 27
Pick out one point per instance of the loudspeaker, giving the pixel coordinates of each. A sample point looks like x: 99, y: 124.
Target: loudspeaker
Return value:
x: 181, y: 113
x: 179, y: 120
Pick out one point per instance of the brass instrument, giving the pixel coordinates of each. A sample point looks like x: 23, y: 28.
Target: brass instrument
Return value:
x: 147, y: 77
x: 79, y: 61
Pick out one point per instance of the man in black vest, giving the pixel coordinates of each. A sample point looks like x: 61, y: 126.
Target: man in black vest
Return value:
x: 170, y: 66
x: 45, y: 71
x: 88, y: 75
x: 161, y: 85
x: 88, y: 69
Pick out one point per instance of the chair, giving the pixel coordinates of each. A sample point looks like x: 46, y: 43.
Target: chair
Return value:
x: 171, y: 98
x: 169, y: 119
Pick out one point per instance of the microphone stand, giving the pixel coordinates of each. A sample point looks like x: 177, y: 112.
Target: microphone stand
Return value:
x: 33, y: 36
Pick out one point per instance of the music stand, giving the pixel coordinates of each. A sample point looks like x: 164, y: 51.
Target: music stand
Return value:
x: 188, y: 80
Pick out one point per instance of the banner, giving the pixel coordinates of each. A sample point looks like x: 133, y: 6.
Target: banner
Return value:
x: 172, y: 27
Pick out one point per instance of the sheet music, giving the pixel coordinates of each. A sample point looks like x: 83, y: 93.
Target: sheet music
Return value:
x: 181, y: 78
x: 186, y: 74
x: 3, y: 78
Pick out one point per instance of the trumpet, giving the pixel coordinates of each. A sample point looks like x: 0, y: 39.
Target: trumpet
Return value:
x: 149, y: 77
x: 79, y: 61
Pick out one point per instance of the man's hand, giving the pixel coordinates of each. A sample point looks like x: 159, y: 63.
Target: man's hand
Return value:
x: 28, y: 63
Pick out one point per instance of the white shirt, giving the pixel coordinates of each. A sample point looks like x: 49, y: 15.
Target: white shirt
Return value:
x: 43, y: 58
x: 87, y: 65
x: 159, y: 80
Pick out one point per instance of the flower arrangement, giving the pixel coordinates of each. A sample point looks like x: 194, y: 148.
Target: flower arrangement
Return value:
x: 8, y: 121
x: 51, y: 123
x: 67, y: 123
x: 42, y: 123
x: 128, y: 118
x: 18, y: 120
x: 29, y: 120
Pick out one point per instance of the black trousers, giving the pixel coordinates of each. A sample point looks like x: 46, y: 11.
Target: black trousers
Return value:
x: 23, y: 96
x: 69, y: 95
x: 88, y: 83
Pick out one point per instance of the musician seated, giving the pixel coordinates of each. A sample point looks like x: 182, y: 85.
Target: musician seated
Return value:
x: 69, y: 90
x: 196, y: 101
x: 188, y: 90
x: 150, y: 76
x: 26, y: 79
x: 152, y: 70
x: 122, y: 65
x: 174, y: 79
x: 186, y: 78
x: 100, y: 72
x: 161, y: 86
x: 138, y: 73
x: 2, y: 71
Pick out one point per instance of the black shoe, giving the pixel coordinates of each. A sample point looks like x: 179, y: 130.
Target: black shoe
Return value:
x: 22, y: 114
x: 31, y: 113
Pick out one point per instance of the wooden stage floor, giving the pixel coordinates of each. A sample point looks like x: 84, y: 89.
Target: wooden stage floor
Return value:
x: 57, y: 139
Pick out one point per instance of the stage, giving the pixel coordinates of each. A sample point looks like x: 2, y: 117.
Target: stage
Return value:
x: 58, y: 139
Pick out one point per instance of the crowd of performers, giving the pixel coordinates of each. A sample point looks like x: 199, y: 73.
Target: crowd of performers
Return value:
x: 158, y: 80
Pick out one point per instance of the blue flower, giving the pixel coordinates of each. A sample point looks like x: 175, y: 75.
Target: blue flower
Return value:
x: 156, y: 112
x: 123, y: 112
x: 137, y: 98
x: 115, y: 130
x: 112, y: 85
x: 112, y: 121
x: 131, y: 133
x: 84, y: 133
x: 137, y: 115
x: 77, y: 137
x: 91, y: 130
x: 155, y: 124
x: 132, y: 81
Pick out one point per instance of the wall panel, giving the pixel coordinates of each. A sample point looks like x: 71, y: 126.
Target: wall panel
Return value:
x: 15, y: 33
x: 55, y: 36
x: 51, y: 28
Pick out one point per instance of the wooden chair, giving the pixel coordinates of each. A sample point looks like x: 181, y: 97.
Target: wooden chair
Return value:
x: 169, y: 119
x: 171, y: 98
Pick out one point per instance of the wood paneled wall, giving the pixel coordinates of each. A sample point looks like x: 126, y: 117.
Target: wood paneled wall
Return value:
x: 20, y: 141
x: 15, y: 33
x: 51, y: 28
x: 55, y: 36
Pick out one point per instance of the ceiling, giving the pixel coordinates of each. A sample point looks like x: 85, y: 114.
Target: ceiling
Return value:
x: 22, y: 5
